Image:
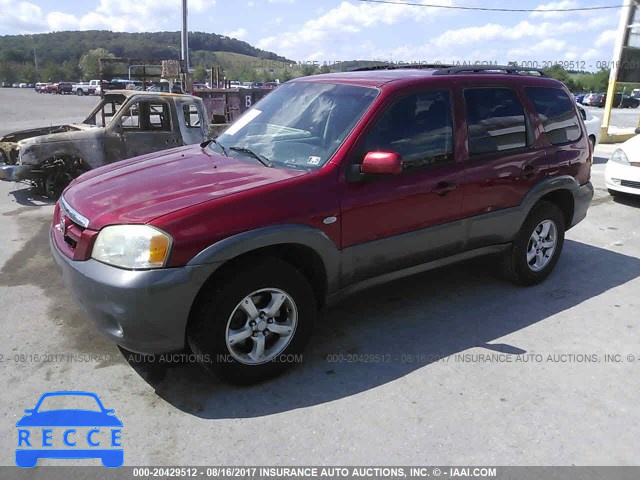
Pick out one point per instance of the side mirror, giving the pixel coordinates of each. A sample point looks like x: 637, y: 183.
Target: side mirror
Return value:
x: 381, y: 163
x: 638, y: 130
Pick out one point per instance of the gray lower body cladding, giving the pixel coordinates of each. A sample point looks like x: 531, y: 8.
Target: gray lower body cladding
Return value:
x: 142, y: 311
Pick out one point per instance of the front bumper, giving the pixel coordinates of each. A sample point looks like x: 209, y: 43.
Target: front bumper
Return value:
x: 14, y: 173
x: 143, y: 311
x: 581, y: 201
x: 616, y: 173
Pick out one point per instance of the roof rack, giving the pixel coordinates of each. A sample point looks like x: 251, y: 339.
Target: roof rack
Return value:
x: 515, y: 69
x: 403, y: 66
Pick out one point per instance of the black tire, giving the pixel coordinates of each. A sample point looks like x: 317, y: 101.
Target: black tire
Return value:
x: 3, y: 157
x: 80, y: 92
x: 207, y: 330
x: 514, y: 262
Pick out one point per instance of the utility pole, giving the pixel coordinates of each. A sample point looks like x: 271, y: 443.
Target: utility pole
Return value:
x: 35, y: 57
x: 185, y: 44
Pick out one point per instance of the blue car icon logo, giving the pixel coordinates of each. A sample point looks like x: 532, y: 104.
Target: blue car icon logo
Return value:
x: 90, y: 431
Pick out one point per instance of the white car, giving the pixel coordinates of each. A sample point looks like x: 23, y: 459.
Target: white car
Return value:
x: 622, y: 172
x: 592, y: 123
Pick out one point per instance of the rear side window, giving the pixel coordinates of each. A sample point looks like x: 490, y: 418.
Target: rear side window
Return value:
x: 495, y: 120
x: 557, y: 114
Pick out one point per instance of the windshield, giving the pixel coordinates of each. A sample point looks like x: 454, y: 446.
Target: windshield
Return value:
x: 299, y: 125
x: 106, y: 109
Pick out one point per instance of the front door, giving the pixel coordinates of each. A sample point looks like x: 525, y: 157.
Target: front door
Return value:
x: 147, y: 127
x: 397, y: 221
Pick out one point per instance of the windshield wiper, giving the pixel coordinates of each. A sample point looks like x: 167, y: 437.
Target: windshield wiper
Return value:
x: 209, y: 142
x: 247, y: 151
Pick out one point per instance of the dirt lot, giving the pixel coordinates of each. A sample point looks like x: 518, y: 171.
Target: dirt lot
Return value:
x: 449, y: 367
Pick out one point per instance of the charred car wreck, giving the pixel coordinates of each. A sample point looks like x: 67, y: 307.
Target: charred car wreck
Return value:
x: 124, y: 124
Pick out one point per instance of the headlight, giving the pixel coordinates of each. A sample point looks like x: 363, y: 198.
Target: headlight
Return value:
x: 620, y: 157
x: 132, y: 246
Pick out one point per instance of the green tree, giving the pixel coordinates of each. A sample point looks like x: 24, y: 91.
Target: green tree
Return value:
x: 51, y: 72
x: 309, y: 69
x: 200, y: 74
x: 28, y: 73
x: 89, y: 62
x: 8, y: 72
x: 559, y: 73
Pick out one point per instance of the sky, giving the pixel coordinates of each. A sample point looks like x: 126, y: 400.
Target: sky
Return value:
x: 336, y: 30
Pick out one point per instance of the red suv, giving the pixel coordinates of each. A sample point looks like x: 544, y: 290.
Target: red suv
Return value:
x: 328, y: 183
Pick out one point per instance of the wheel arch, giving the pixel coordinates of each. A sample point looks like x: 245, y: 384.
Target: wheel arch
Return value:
x: 306, y: 248
x: 560, y: 191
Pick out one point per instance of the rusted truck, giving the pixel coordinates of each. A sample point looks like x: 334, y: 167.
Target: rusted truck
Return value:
x: 125, y: 124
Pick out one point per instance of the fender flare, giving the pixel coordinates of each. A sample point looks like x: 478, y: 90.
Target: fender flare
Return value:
x: 246, y: 242
x: 546, y: 186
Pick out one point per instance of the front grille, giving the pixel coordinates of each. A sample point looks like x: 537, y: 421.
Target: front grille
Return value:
x: 629, y: 183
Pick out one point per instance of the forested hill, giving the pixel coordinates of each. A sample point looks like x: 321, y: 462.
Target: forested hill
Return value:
x: 59, y: 47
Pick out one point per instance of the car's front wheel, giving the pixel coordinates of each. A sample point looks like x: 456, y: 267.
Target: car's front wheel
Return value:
x: 254, y: 321
x: 537, y: 246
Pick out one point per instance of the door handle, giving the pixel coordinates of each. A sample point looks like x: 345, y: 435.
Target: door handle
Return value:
x: 442, y: 188
x: 528, y: 171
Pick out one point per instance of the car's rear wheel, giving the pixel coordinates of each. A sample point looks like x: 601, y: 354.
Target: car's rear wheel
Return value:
x: 537, y: 246
x: 254, y: 321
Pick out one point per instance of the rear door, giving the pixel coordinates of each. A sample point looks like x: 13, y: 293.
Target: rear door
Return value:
x: 503, y: 161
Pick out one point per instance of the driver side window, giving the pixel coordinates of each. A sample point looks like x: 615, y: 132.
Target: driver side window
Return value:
x: 419, y: 127
x: 130, y: 119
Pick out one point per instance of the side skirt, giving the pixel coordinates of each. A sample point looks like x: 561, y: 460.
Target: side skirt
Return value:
x: 405, y: 272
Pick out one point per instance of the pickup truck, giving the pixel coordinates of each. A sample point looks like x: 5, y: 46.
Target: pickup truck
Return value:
x: 84, y: 88
x: 125, y: 124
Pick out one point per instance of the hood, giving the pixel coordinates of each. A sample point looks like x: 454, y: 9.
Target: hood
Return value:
x: 50, y: 132
x: 144, y: 188
x: 632, y: 149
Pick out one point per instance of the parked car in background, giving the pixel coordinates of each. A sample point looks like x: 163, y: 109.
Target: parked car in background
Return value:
x: 41, y: 87
x: 622, y: 172
x: 592, y: 99
x: 619, y: 101
x: 124, y: 124
x: 23, y: 85
x: 348, y: 178
x: 16, y: 85
x: 65, y: 88
x: 6, y: 85
x: 593, y: 124
x: 580, y: 97
x: 85, y: 88
x: 51, y: 88
x: 625, y: 101
x: 636, y: 93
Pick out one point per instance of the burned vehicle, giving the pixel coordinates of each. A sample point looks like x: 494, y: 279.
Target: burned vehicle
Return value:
x: 124, y: 124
